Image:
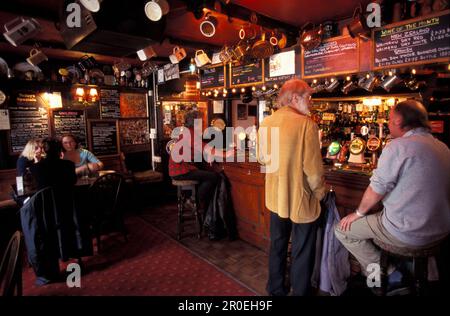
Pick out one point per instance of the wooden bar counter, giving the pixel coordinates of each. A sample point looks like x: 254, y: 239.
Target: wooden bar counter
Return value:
x: 248, y: 197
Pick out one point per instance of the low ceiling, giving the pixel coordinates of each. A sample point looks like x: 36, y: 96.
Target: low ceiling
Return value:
x: 180, y: 26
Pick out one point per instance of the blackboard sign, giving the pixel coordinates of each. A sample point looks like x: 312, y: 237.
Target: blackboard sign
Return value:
x: 109, y: 103
x: 283, y: 66
x: 418, y: 41
x: 337, y: 55
x: 104, y: 137
x: 246, y: 74
x: 28, y: 120
x: 70, y: 122
x: 212, y: 77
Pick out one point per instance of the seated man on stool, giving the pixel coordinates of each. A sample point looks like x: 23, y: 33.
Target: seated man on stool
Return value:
x: 412, y: 180
x: 181, y: 168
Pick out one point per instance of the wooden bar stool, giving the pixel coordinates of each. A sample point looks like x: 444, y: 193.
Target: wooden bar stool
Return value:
x: 184, y: 186
x: 419, y: 257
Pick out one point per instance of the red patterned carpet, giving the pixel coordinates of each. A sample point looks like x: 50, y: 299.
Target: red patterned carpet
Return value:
x: 150, y: 264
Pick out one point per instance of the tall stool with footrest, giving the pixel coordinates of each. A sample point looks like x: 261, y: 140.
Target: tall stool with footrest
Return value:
x: 184, y: 186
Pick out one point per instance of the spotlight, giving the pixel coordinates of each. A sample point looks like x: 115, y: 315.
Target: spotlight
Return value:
x: 233, y: 90
x: 243, y: 90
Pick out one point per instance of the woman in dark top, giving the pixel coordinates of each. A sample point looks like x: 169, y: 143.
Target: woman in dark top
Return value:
x: 31, y: 154
x: 52, y: 170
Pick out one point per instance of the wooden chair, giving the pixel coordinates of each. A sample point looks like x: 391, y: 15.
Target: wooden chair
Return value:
x: 11, y: 267
x: 104, y: 196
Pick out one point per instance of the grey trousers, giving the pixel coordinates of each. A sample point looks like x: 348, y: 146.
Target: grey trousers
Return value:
x: 358, y: 240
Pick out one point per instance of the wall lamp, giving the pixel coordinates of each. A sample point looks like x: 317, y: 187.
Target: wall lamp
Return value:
x: 86, y: 94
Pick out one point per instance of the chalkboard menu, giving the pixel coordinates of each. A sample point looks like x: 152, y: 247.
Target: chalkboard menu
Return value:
x: 109, y: 103
x: 246, y: 74
x: 28, y: 120
x: 70, y: 122
x: 104, y: 137
x: 283, y: 66
x: 418, y: 41
x: 213, y: 77
x: 337, y: 55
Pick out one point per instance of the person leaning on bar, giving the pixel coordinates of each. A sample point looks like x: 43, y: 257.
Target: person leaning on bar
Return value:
x: 85, y: 161
x: 294, y: 189
x: 413, y: 181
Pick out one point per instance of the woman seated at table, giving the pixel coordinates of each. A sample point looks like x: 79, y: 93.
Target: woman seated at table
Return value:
x: 31, y: 154
x: 85, y: 161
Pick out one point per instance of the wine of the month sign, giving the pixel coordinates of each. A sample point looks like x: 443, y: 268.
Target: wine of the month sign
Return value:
x: 337, y: 55
x: 213, y: 77
x: 104, y: 137
x: 246, y: 74
x: 109, y: 103
x: 417, y: 41
x: 28, y: 120
x: 70, y: 122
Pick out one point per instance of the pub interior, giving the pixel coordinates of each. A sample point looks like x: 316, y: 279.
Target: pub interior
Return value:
x: 110, y: 87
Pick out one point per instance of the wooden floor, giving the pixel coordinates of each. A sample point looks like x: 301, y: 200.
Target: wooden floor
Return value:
x: 237, y: 258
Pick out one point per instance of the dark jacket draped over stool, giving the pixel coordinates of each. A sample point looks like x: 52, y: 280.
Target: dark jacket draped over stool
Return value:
x: 219, y: 218
x: 52, y: 231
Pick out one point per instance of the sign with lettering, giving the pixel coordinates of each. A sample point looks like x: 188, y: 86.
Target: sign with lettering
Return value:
x: 337, y: 55
x: 418, y: 41
x: 283, y: 66
x: 246, y: 74
x: 70, y: 122
x: 212, y: 77
x: 28, y: 120
x: 109, y: 103
x: 104, y: 137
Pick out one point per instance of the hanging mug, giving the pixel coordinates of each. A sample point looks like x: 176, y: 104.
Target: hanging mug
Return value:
x: 201, y: 58
x: 178, y: 54
x: 36, y: 57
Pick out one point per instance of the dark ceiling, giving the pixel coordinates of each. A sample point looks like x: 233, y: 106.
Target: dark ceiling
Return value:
x: 180, y: 26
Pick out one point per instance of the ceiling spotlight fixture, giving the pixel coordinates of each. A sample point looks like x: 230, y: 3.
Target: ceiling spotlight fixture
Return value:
x: 208, y: 25
x: 155, y: 9
x: 91, y: 5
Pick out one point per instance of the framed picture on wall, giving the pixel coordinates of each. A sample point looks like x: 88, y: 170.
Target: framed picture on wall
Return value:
x: 242, y: 111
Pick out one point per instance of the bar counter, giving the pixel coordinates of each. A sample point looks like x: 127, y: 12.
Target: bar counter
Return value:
x: 248, y: 197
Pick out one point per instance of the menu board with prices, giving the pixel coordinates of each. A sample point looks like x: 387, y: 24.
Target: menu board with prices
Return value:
x: 213, y: 77
x: 104, y: 137
x: 28, y: 120
x: 283, y: 66
x: 109, y: 103
x: 418, y: 41
x: 337, y: 55
x: 246, y: 74
x: 70, y: 122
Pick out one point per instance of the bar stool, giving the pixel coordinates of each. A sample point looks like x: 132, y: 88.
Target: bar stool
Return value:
x: 419, y: 257
x: 184, y: 186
